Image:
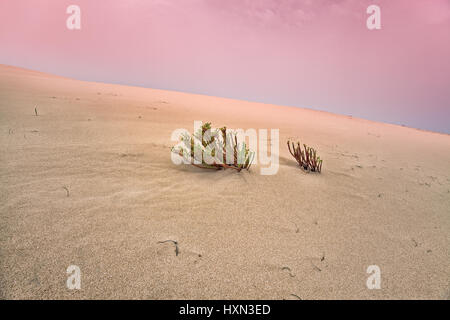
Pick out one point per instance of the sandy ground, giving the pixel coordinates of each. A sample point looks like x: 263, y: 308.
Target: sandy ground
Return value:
x: 383, y: 199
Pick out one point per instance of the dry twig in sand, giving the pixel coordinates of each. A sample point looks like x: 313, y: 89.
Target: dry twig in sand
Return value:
x: 175, y: 243
x: 289, y: 271
x: 67, y: 190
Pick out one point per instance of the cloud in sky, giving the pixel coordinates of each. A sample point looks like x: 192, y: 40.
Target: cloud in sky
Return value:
x: 311, y: 53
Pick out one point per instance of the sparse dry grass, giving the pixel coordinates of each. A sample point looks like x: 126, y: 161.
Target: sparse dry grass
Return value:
x: 307, y: 158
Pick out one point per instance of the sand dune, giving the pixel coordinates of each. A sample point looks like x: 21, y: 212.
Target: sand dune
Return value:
x: 383, y: 199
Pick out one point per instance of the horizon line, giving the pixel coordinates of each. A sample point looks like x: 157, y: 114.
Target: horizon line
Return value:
x: 309, y: 108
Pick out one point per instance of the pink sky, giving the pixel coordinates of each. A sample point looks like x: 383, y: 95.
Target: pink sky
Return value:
x: 307, y: 53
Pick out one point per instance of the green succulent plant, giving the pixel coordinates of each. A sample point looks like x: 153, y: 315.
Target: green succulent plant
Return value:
x: 220, y: 146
